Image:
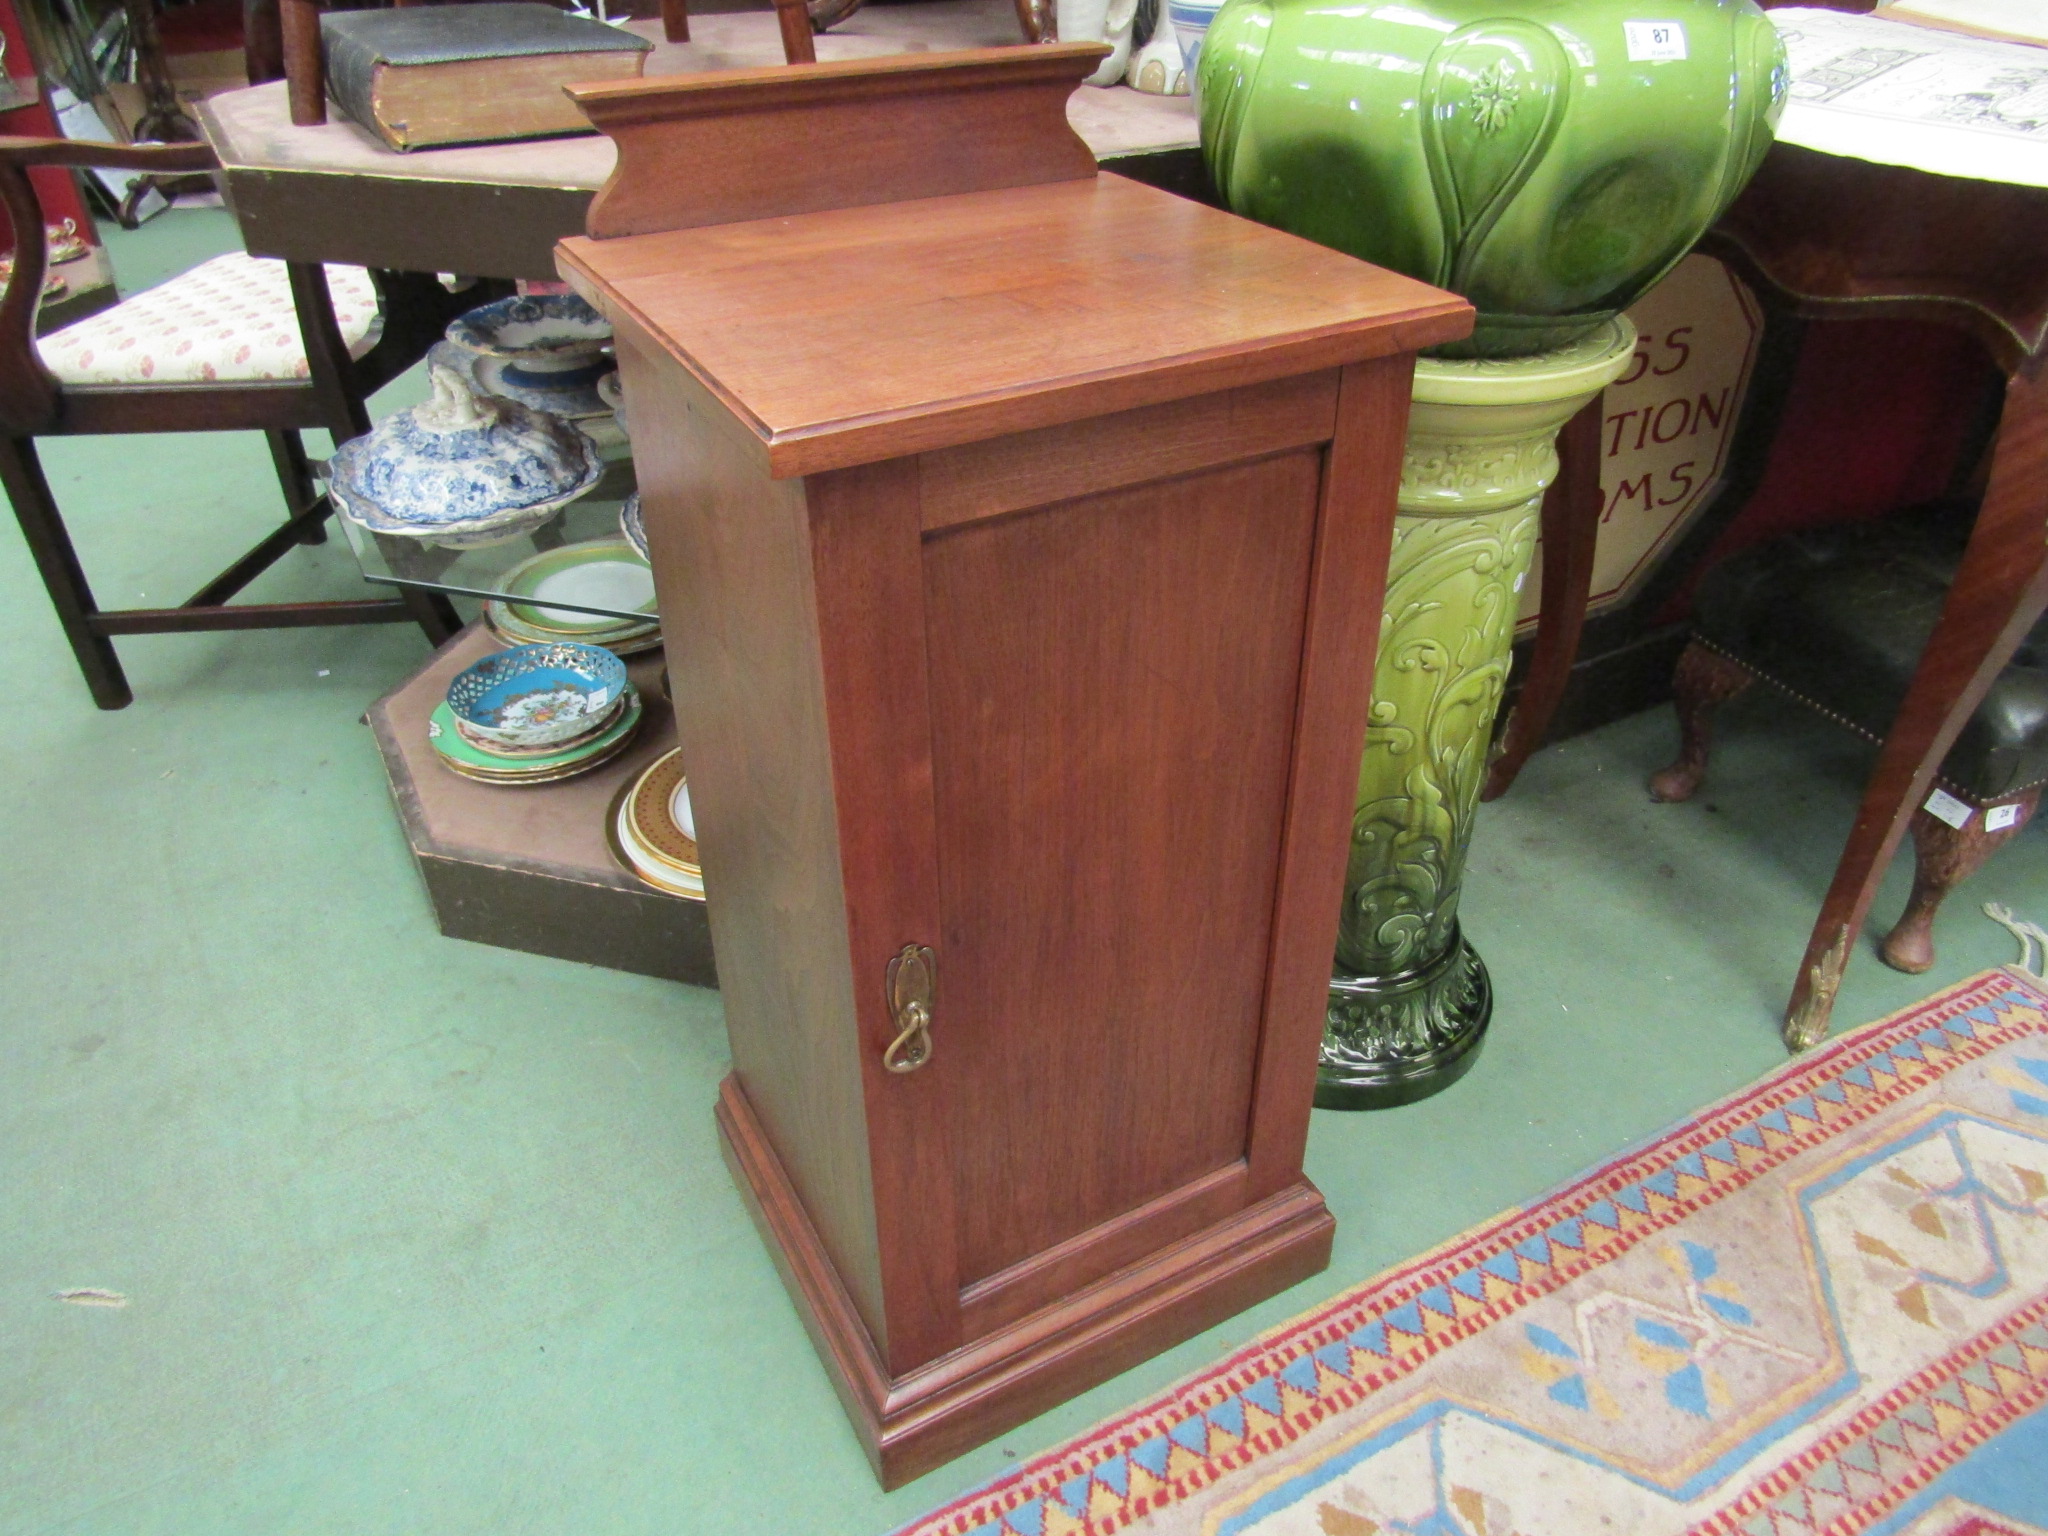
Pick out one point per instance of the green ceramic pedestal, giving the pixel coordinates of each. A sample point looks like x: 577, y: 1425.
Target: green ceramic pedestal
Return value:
x: 1409, y: 997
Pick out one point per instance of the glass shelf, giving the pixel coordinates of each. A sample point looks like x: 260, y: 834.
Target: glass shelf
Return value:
x: 481, y: 573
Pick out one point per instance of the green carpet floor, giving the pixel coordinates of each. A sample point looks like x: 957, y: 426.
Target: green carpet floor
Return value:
x: 417, y: 1235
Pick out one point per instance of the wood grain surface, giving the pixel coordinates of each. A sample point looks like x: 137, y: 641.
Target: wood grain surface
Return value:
x: 1113, y: 720
x: 1022, y: 587
x: 957, y: 319
x: 716, y: 148
x: 914, y: 1422
x: 872, y: 628
x: 732, y: 574
x: 1347, y: 586
x: 1028, y: 469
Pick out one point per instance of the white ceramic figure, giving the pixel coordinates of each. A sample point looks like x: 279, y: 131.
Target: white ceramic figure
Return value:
x: 1104, y: 21
x: 1158, y: 69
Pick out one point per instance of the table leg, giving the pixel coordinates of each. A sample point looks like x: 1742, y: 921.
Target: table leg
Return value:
x: 794, y: 18
x: 675, y: 20
x: 305, y: 67
x: 262, y: 41
x: 1999, y: 592
x: 1571, y: 528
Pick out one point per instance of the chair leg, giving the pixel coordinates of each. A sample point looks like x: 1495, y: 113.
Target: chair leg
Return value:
x: 1943, y: 858
x: 1571, y: 525
x: 1999, y: 591
x: 1705, y: 680
x: 434, y: 614
x: 295, y: 478
x: 21, y: 472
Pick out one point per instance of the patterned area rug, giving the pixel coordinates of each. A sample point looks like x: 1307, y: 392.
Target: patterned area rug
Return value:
x: 1819, y: 1306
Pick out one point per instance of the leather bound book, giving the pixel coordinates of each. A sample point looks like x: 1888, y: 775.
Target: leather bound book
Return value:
x: 425, y: 75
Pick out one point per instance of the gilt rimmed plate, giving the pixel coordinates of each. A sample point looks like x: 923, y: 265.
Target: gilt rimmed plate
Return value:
x: 648, y: 795
x: 552, y: 776
x: 627, y: 640
x: 464, y: 756
x: 504, y: 621
x: 653, y: 822
x: 597, y: 573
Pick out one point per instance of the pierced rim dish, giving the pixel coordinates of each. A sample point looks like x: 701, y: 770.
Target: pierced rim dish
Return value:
x: 535, y: 695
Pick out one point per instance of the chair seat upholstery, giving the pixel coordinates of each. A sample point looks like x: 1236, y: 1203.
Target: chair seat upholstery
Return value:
x: 226, y: 321
x: 1839, y: 617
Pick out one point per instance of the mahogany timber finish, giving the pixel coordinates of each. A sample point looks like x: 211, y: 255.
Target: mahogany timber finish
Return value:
x: 1840, y: 238
x: 715, y: 148
x: 1024, y: 582
x: 1570, y: 537
x: 305, y: 61
x: 989, y: 313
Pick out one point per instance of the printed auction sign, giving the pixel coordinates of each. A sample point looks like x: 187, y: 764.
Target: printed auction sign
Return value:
x: 1668, y: 421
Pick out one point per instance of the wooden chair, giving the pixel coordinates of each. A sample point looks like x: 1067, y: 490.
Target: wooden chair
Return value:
x: 172, y: 359
x: 1838, y: 619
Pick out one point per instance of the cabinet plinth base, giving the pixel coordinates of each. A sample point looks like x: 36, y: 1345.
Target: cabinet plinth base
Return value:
x: 914, y: 1422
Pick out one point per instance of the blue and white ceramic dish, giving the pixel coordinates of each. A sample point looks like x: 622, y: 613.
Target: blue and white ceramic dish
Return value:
x: 634, y: 530
x: 542, y: 330
x: 1190, y: 20
x: 533, y: 695
x: 462, y: 470
x: 614, y: 394
x: 570, y: 392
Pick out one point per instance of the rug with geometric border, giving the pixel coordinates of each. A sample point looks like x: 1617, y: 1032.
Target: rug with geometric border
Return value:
x: 1820, y: 1305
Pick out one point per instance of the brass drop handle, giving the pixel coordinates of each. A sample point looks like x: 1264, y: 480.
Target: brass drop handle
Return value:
x: 908, y: 983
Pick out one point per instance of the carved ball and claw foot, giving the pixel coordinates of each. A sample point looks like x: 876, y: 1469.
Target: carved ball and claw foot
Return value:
x: 1704, y: 680
x: 1944, y: 856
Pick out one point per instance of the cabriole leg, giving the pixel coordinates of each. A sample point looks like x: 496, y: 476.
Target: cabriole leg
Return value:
x: 1705, y: 679
x: 1943, y: 858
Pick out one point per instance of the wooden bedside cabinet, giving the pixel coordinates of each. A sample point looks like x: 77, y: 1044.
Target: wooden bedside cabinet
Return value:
x: 1020, y: 551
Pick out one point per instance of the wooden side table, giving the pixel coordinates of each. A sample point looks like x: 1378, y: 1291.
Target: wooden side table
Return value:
x: 1021, y: 536
x: 1848, y: 239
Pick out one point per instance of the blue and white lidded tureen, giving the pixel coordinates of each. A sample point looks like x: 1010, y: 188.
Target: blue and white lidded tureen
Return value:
x: 462, y: 470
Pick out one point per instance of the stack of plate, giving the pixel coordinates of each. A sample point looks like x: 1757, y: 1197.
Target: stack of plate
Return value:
x: 652, y: 832
x: 600, y: 573
x: 631, y: 525
x: 535, y: 714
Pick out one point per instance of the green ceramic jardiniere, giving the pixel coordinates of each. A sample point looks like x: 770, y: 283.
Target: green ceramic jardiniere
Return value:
x: 1409, y: 996
x: 1547, y: 159
x: 1550, y: 160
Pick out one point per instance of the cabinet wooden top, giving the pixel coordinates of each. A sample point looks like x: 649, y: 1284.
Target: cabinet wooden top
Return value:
x: 858, y: 334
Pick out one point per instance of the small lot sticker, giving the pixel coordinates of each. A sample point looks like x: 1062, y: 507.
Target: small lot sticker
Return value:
x: 1999, y: 817
x: 1943, y: 806
x: 1654, y: 41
